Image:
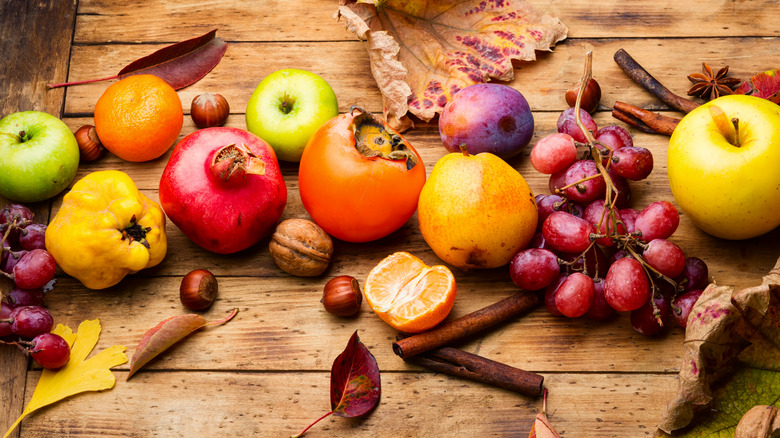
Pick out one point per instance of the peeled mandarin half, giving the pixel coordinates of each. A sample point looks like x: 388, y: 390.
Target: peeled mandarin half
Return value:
x: 408, y: 294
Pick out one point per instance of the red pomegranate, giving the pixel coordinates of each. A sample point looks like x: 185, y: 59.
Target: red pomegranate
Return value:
x: 223, y: 188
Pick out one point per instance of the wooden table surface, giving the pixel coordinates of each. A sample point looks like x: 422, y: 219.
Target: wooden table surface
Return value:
x: 266, y: 373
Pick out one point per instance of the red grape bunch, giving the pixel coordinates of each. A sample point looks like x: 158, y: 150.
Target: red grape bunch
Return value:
x: 24, y: 321
x: 593, y: 254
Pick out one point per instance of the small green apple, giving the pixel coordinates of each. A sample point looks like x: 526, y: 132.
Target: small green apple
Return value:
x: 40, y: 156
x: 287, y: 107
x: 723, y: 166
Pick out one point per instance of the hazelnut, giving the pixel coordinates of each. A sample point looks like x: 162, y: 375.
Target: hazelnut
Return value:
x: 209, y: 110
x: 300, y: 247
x: 90, y: 147
x: 590, y: 99
x: 198, y: 289
x: 342, y: 296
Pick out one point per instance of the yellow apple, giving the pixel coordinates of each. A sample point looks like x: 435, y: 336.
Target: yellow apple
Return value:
x: 723, y: 163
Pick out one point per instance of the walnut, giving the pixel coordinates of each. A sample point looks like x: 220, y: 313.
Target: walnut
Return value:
x: 759, y: 422
x: 300, y: 247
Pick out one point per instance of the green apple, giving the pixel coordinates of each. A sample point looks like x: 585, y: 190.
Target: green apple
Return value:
x: 723, y: 166
x: 287, y: 107
x: 39, y: 156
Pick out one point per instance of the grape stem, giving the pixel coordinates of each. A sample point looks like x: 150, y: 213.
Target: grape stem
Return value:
x: 630, y: 241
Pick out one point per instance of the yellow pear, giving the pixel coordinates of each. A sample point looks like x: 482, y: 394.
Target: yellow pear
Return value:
x: 476, y: 211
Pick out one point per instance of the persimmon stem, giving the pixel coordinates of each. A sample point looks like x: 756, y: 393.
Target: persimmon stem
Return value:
x: 89, y: 81
x: 309, y: 426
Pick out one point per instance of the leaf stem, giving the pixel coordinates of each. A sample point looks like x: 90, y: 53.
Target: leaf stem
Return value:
x: 309, y: 426
x: 66, y: 84
x: 223, y: 320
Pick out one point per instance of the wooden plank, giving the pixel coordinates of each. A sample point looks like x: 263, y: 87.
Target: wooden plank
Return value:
x: 35, y: 48
x: 543, y: 82
x: 281, y: 325
x: 103, y: 21
x: 36, y: 40
x: 412, y: 405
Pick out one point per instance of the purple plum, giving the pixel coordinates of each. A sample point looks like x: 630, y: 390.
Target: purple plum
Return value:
x: 491, y: 118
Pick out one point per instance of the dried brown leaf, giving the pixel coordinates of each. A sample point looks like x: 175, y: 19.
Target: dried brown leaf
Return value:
x: 423, y: 52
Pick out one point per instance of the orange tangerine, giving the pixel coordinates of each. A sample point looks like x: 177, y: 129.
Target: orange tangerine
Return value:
x: 139, y: 117
x: 408, y: 294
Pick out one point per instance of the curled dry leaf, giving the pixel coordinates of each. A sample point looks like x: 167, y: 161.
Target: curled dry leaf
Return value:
x: 79, y: 374
x: 423, y: 52
x: 180, y: 64
x: 168, y: 332
x: 354, y: 382
x: 731, y: 360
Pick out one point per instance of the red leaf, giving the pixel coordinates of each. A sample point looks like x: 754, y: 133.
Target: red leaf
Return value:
x: 765, y: 85
x: 179, y: 64
x: 168, y: 332
x: 354, y: 382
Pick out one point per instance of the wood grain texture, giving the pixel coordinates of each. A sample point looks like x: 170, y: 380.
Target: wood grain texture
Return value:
x: 210, y: 404
x: 543, y: 83
x: 31, y: 58
x: 102, y: 21
x: 265, y: 373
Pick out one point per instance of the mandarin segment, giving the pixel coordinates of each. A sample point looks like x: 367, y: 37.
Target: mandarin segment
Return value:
x: 409, y: 295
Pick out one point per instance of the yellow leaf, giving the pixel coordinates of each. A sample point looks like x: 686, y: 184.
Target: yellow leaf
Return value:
x: 79, y: 374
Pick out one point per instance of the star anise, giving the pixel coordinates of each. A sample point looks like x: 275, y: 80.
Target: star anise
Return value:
x: 710, y: 86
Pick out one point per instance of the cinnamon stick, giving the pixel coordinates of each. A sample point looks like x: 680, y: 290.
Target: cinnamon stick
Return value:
x: 465, y: 325
x: 470, y: 366
x: 643, y: 119
x: 639, y: 75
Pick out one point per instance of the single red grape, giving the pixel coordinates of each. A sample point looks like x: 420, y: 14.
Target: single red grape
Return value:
x: 681, y: 308
x: 658, y: 220
x: 623, y: 196
x: 626, y: 287
x: 33, y: 236
x: 30, y: 321
x: 628, y: 216
x: 695, y: 275
x: 549, y: 296
x: 666, y: 257
x: 575, y: 295
x: 634, y: 163
x: 25, y: 297
x: 603, y: 222
x: 35, y: 269
x: 566, y: 232
x: 614, y: 137
x: 553, y: 153
x: 15, y: 214
x: 534, y: 269
x: 599, y: 309
x: 645, y: 321
x: 50, y: 350
x: 5, y: 315
x: 588, y: 184
x: 13, y: 258
x: 567, y: 124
